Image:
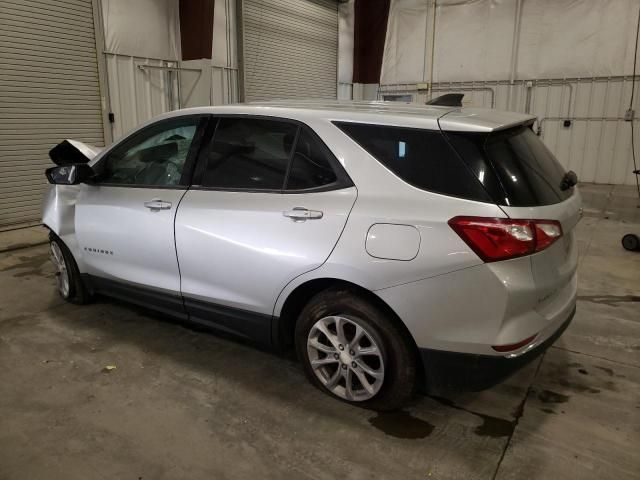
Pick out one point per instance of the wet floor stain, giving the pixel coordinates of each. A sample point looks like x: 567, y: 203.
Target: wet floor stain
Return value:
x: 606, y: 370
x: 547, y: 396
x: 583, y: 371
x: 581, y: 388
x: 610, y: 300
x: 494, y: 427
x: 15, y: 321
x: 548, y: 410
x: 28, y: 265
x: 491, y: 426
x: 401, y: 424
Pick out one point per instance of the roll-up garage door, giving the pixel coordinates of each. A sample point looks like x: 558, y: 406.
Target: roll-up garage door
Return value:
x: 290, y: 49
x: 49, y: 91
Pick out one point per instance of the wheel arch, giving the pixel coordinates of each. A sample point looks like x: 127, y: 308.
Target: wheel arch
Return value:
x: 296, y: 300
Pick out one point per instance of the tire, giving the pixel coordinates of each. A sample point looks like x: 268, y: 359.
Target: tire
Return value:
x: 394, y: 364
x: 73, y: 289
x: 631, y: 242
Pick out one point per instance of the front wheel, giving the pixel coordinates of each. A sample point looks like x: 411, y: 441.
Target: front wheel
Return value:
x: 352, y: 350
x: 69, y: 283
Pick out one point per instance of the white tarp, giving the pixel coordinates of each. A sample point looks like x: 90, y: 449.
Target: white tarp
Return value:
x: 142, y: 28
x: 474, y: 39
x: 224, y: 50
x: 405, y: 46
x: 577, y: 38
x: 346, y: 18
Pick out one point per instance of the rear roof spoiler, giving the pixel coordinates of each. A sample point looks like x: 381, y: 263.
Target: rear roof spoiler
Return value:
x: 447, y: 100
x: 72, y: 151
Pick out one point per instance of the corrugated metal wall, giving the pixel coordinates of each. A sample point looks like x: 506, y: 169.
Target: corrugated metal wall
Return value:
x: 49, y: 91
x: 597, y: 142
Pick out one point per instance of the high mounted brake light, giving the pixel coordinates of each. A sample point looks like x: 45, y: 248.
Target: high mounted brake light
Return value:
x: 495, y: 239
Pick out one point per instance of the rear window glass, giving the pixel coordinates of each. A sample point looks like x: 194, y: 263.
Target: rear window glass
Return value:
x: 514, y: 166
x: 422, y: 158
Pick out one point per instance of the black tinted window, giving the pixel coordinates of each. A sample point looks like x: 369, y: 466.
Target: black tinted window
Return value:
x: 155, y: 156
x: 249, y: 154
x: 422, y: 158
x: 310, y: 167
x: 517, y: 167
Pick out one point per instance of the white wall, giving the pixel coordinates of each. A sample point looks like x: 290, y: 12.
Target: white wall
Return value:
x: 566, y: 56
x: 138, y: 94
x: 217, y: 81
x: 146, y: 33
x: 474, y: 39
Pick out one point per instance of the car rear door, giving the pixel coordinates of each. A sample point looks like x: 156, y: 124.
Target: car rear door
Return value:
x: 124, y: 220
x: 269, y: 202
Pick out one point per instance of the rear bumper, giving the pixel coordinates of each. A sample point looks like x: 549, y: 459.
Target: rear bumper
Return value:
x: 473, y: 372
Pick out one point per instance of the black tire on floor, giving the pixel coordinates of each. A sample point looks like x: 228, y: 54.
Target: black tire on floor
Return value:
x: 78, y: 293
x: 631, y: 242
x: 398, y: 352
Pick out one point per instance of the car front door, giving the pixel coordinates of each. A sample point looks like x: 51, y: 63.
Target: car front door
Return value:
x: 124, y: 220
x: 269, y: 202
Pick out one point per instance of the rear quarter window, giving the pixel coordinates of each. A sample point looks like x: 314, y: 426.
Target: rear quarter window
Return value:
x: 422, y: 158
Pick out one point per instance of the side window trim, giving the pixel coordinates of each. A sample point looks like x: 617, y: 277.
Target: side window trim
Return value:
x: 203, y: 152
x: 343, y: 179
x: 194, y: 149
x: 292, y: 154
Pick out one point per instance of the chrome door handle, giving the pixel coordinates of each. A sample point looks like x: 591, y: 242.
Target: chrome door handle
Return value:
x: 300, y: 214
x: 157, y: 204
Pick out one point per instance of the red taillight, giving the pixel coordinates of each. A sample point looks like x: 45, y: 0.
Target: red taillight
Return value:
x: 496, y: 239
x: 547, y: 232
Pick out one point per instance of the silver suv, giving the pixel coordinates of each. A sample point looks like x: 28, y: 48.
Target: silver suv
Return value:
x: 394, y: 245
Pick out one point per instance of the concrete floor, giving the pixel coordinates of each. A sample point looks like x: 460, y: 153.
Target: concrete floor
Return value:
x: 185, y: 404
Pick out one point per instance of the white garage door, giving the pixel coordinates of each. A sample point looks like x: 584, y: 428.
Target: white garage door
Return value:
x: 290, y: 48
x: 48, y: 92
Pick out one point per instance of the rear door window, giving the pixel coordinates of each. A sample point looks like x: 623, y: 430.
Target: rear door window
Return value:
x: 249, y: 154
x: 422, y: 158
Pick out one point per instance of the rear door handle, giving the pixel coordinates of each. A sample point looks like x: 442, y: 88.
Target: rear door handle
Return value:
x: 157, y: 204
x: 300, y: 214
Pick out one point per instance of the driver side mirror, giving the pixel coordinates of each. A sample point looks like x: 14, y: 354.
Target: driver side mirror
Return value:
x: 70, y: 174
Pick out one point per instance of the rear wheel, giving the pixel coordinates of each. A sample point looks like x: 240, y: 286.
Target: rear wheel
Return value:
x: 351, y: 350
x: 69, y: 283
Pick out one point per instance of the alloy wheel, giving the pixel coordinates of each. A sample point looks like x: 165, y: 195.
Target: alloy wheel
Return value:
x: 345, y: 358
x: 62, y: 274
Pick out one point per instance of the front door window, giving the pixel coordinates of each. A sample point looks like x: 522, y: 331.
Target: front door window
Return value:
x: 155, y: 156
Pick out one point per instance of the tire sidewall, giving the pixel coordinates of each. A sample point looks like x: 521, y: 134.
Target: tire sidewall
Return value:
x: 65, y: 257
x: 398, y: 363
x: 78, y: 293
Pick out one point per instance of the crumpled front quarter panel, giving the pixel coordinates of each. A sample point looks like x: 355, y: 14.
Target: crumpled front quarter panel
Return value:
x: 59, y: 213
